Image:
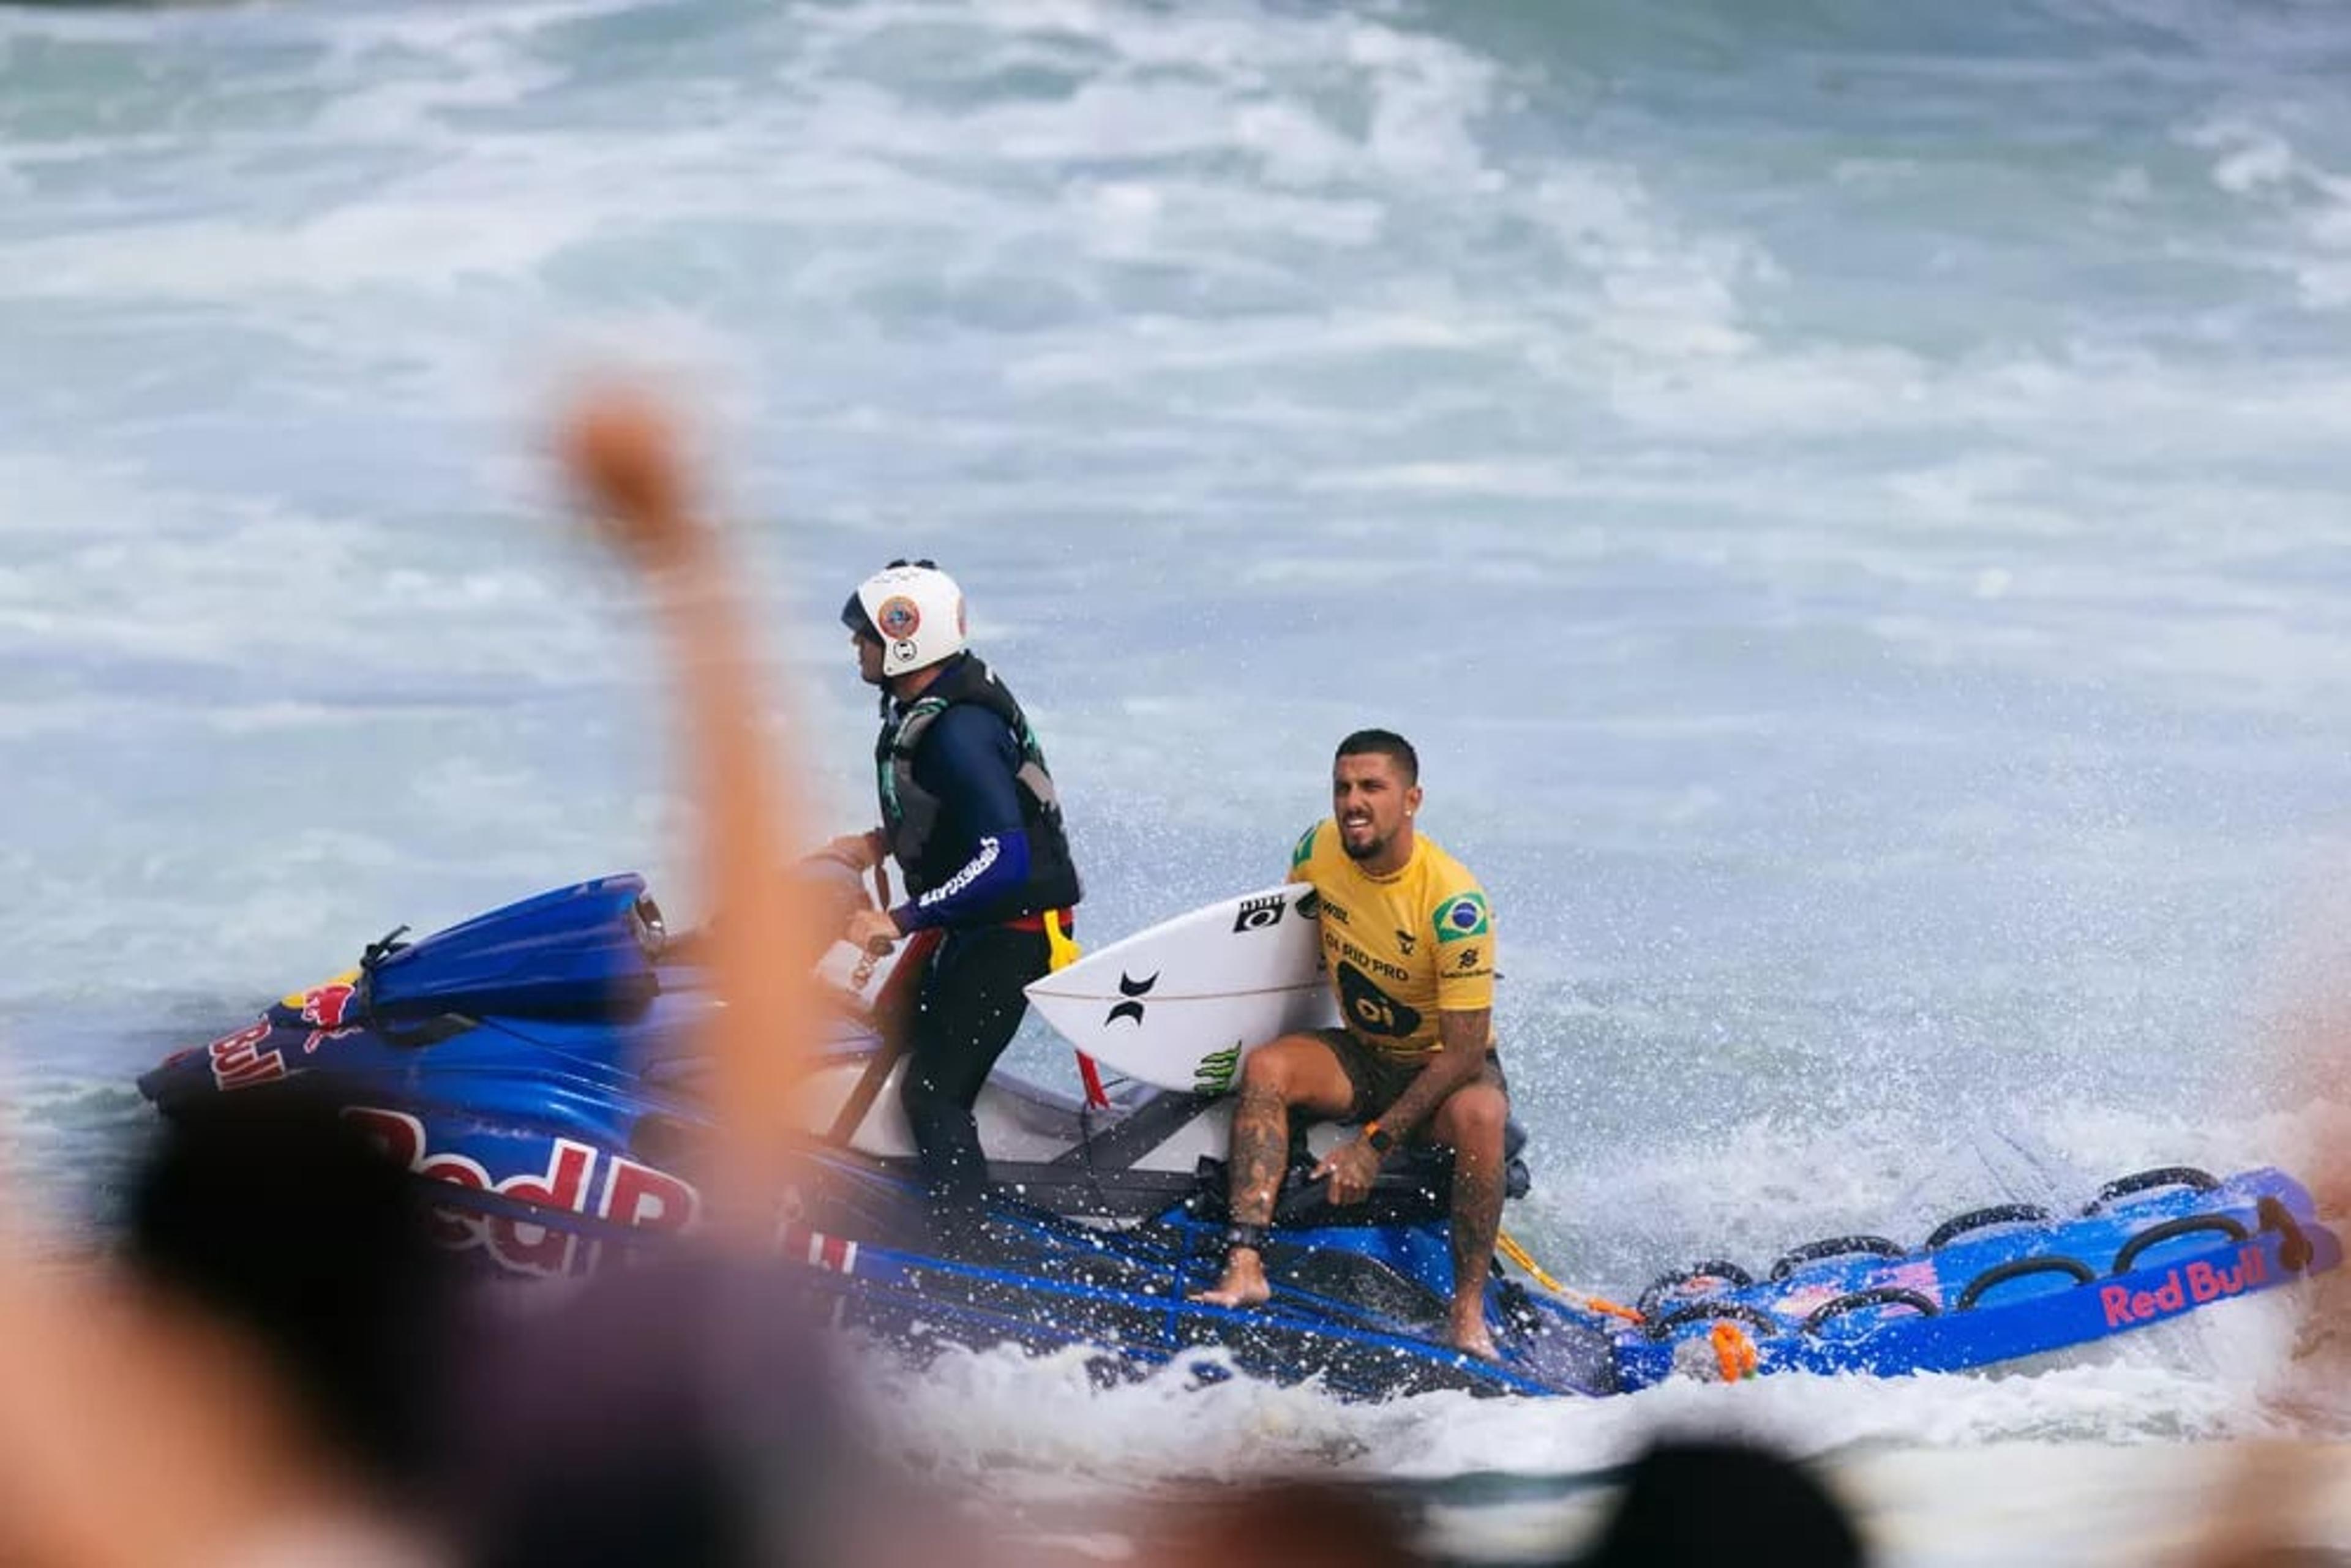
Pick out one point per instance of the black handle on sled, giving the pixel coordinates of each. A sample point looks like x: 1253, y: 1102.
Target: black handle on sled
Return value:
x: 1296, y: 1201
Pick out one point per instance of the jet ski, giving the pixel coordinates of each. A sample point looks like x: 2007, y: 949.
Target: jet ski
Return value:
x: 538, y: 1064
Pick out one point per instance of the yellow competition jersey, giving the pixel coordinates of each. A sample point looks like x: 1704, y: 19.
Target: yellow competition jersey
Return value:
x: 1401, y: 948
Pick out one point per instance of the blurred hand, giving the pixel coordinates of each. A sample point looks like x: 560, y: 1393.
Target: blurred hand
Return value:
x: 135, y: 1431
x: 856, y: 850
x: 872, y: 931
x: 622, y: 452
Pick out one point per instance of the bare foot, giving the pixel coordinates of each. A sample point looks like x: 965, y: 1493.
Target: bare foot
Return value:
x: 1468, y: 1331
x: 1243, y: 1284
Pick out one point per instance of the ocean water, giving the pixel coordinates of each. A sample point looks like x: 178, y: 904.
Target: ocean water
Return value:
x: 1846, y: 498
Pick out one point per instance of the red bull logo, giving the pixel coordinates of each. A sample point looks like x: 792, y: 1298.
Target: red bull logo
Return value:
x: 576, y: 1179
x: 2192, y: 1285
x: 323, y: 1008
x: 239, y: 1062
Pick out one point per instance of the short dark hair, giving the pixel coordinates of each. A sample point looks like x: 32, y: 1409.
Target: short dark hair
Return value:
x: 1384, y: 743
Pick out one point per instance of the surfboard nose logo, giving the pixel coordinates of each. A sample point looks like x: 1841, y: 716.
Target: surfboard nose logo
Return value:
x: 1129, y: 1009
x: 1259, y: 915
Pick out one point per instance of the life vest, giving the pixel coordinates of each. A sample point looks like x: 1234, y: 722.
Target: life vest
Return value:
x: 911, y: 814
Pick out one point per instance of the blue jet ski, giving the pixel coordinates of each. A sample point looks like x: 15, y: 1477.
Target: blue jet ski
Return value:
x: 537, y: 1064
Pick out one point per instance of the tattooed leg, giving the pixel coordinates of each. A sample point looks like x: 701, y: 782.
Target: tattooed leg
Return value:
x: 1261, y: 1149
x: 1477, y: 1217
x: 1473, y: 1122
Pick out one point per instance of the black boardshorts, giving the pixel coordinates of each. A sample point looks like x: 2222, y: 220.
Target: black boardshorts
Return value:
x: 1378, y: 1079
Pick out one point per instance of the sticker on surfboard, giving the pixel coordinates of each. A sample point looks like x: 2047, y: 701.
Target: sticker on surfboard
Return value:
x: 1181, y: 1004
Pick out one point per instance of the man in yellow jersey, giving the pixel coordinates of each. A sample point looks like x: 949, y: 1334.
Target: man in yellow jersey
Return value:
x: 1410, y: 945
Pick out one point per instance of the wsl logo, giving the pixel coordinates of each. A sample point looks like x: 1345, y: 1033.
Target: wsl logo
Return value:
x: 1215, y: 1074
x: 1134, y: 990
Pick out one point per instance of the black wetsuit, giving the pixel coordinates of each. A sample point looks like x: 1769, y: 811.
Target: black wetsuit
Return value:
x: 973, y: 820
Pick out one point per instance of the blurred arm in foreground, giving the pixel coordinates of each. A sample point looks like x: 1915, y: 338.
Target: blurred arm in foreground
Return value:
x: 678, y: 1410
x: 623, y: 458
x: 2266, y: 1504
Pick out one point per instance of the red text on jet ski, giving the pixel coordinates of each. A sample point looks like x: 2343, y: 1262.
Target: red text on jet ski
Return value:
x: 578, y: 1178
x: 238, y: 1065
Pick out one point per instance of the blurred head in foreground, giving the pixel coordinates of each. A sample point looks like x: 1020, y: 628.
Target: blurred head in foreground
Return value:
x: 278, y: 1216
x: 1705, y: 1501
x: 675, y: 1411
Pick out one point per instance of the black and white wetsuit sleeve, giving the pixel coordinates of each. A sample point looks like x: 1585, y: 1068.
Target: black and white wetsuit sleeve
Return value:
x: 969, y: 760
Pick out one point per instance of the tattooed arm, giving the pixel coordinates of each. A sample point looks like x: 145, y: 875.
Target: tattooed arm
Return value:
x: 1462, y: 1054
x: 1462, y: 1043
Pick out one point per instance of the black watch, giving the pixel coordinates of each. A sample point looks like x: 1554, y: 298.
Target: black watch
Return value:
x: 1379, y: 1137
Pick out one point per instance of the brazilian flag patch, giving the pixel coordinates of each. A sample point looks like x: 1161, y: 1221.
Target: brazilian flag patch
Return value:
x: 1305, y: 850
x: 1460, y: 918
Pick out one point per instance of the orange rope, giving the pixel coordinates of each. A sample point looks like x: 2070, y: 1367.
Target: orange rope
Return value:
x: 1535, y: 1271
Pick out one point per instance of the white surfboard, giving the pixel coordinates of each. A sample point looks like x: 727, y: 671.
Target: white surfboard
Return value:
x: 1179, y: 1005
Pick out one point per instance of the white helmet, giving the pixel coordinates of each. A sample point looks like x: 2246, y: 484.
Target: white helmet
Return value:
x: 914, y: 610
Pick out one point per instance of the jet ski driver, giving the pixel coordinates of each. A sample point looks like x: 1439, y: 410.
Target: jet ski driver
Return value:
x: 969, y: 812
